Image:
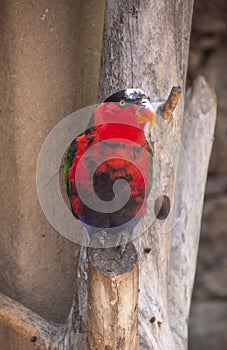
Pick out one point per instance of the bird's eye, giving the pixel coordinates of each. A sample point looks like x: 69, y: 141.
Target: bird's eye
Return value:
x: 122, y: 102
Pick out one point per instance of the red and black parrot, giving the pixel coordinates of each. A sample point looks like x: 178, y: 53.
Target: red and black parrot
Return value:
x: 113, y: 147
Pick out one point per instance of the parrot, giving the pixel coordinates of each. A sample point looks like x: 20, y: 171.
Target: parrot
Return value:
x: 113, y: 147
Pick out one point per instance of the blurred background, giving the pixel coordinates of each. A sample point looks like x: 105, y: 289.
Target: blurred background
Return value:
x: 208, y: 56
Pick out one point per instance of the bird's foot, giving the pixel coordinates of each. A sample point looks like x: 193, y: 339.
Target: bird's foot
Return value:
x: 123, y: 237
x: 99, y: 238
x: 122, y: 249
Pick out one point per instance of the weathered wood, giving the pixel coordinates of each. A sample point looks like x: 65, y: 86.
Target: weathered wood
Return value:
x: 113, y: 299
x: 198, y: 135
x: 146, y: 45
x: 31, y: 326
x: 42, y: 334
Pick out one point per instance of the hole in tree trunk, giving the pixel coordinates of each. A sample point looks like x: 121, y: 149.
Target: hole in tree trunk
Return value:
x: 33, y: 339
x: 162, y: 207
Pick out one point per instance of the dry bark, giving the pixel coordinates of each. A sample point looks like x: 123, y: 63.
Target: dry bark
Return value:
x: 113, y: 299
x: 198, y: 136
x: 25, y: 322
x: 146, y: 45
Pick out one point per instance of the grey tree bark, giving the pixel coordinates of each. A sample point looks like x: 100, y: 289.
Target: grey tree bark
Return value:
x: 197, y: 141
x: 146, y: 44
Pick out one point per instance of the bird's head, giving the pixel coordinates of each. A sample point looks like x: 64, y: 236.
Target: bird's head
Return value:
x: 144, y: 110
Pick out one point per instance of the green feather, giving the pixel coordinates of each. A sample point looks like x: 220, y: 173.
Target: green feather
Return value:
x: 70, y: 156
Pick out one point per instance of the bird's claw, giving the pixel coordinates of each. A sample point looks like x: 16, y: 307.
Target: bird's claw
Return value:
x: 123, y: 237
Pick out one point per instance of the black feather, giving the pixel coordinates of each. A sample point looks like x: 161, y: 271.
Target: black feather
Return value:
x: 128, y: 95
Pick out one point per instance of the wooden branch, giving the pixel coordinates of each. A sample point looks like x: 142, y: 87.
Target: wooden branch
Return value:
x: 31, y: 326
x: 43, y: 335
x: 113, y: 299
x: 166, y: 108
x: 152, y: 55
x: 198, y: 135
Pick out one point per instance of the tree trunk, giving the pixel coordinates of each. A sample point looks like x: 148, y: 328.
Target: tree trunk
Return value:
x: 198, y: 136
x: 145, y: 44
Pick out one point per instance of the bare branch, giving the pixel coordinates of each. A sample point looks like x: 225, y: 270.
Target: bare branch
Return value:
x: 166, y: 109
x: 28, y: 324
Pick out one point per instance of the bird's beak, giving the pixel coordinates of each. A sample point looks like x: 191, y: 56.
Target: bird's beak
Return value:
x: 145, y: 113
